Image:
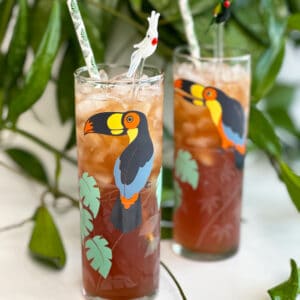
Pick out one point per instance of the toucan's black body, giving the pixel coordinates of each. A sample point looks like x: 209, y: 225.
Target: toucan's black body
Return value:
x: 223, y: 16
x: 132, y: 168
x: 136, y: 154
x: 124, y: 219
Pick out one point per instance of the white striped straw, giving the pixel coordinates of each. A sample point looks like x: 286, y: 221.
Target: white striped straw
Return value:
x: 189, y: 28
x: 83, y: 39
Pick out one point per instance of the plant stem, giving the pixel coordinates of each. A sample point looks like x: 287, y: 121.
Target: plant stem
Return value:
x: 60, y: 194
x: 16, y: 225
x: 42, y: 143
x: 1, y: 106
x: 183, y: 296
x: 54, y: 191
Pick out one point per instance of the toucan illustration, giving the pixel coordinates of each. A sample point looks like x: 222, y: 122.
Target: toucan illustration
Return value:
x: 132, y: 168
x: 226, y: 113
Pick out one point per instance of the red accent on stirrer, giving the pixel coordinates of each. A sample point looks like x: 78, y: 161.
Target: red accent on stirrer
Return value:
x: 154, y: 41
x: 227, y: 3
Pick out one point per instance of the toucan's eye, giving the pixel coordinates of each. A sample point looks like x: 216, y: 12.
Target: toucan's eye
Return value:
x: 210, y: 94
x: 131, y: 120
x: 148, y: 36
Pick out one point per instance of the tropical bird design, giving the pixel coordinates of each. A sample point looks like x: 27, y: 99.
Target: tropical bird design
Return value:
x: 221, y: 12
x: 147, y: 46
x: 226, y: 113
x: 132, y: 168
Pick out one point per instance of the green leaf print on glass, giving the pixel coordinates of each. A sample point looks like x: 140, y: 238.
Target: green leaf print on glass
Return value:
x: 99, y: 255
x: 159, y: 187
x: 90, y: 193
x: 86, y: 222
x: 178, y: 194
x: 186, y: 168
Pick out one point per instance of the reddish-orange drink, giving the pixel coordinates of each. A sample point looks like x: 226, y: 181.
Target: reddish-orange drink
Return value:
x: 119, y: 183
x: 211, y: 105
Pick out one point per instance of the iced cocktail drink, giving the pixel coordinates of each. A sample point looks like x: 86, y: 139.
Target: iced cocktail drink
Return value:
x: 119, y: 142
x: 211, y: 107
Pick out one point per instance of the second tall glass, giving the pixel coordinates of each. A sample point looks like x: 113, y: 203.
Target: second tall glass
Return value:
x: 211, y: 107
x: 119, y: 142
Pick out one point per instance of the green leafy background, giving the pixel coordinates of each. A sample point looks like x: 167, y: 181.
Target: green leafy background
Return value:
x: 43, y: 35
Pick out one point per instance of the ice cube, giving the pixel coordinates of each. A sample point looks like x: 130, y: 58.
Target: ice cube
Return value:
x: 103, y: 76
x: 144, y: 77
x: 121, y: 77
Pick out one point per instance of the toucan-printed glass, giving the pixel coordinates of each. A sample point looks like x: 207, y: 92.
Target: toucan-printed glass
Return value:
x: 119, y: 142
x: 211, y: 108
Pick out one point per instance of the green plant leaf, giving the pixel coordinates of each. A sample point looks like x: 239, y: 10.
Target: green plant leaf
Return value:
x: 39, y: 73
x: 29, y: 163
x: 186, y: 168
x: 167, y: 208
x: 18, y: 46
x: 65, y: 85
x: 99, y: 13
x: 45, y: 242
x: 99, y: 255
x: 277, y: 104
x: 280, y: 96
x: 177, y: 194
x: 281, y: 118
x: 86, y: 222
x: 6, y: 8
x: 287, y: 290
x: 94, y: 20
x: 167, y: 177
x: 136, y: 4
x: 267, y: 70
x: 294, y: 5
x: 292, y: 182
x: 39, y: 16
x: 90, y: 193
x: 262, y: 133
x: 271, y: 60
x: 294, y: 22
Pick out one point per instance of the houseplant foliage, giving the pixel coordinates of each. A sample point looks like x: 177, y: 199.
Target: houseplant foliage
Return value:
x: 43, y: 27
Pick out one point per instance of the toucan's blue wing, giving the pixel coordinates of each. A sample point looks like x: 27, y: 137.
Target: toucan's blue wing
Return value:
x: 233, y: 136
x: 140, y: 180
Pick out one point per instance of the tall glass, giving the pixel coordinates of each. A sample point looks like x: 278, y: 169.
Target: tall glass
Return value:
x: 211, y: 107
x: 119, y: 142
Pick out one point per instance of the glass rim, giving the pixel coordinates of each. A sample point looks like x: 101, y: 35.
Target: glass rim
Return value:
x: 78, y: 74
x: 246, y: 56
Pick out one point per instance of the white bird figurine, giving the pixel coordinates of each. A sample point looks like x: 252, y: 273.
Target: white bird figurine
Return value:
x: 147, y: 46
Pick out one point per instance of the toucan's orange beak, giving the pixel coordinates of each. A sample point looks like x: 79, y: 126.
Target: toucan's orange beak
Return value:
x: 88, y: 127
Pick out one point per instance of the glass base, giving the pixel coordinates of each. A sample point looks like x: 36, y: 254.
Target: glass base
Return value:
x: 199, y: 256
x: 149, y: 297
